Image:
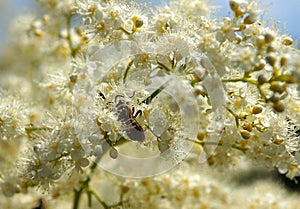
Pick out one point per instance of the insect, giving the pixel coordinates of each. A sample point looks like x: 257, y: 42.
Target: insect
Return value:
x: 127, y: 116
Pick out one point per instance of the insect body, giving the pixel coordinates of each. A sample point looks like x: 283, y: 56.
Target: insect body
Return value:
x: 127, y: 117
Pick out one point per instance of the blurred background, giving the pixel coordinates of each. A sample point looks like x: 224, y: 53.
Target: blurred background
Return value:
x: 285, y: 12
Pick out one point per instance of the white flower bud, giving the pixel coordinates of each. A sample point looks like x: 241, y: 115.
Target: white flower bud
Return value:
x: 113, y: 153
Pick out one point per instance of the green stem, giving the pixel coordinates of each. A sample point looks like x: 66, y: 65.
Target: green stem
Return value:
x: 125, y: 31
x: 127, y: 70
x: 163, y: 66
x: 29, y: 129
x: 85, y: 184
x: 77, y: 194
x: 91, y: 191
x: 234, y: 115
x: 154, y: 94
x: 245, y: 79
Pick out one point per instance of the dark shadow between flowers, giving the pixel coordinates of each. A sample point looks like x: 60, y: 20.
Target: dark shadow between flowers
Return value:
x: 251, y: 176
x: 290, y: 185
x: 256, y: 175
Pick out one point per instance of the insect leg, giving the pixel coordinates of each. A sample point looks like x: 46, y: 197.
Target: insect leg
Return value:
x: 132, y: 95
x: 102, y: 95
x: 138, y: 113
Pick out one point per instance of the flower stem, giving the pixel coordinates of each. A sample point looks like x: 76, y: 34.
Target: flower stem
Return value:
x: 245, y: 79
x: 91, y: 191
x: 84, y: 186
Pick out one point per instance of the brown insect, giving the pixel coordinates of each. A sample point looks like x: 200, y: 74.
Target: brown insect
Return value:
x: 127, y: 116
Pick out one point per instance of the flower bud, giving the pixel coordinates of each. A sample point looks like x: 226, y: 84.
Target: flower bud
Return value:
x: 283, y: 60
x: 38, y: 32
x: 287, y: 41
x: 271, y: 59
x: 124, y: 189
x: 278, y: 87
x: 211, y: 160
x: 278, y: 140
x: 137, y: 21
x: 269, y: 37
x: 275, y: 98
x: 234, y: 5
x: 278, y: 106
x: 261, y: 79
x: 200, y: 136
x: 247, y: 126
x: 260, y: 41
x: 250, y: 19
x: 260, y: 65
x: 113, y: 153
x: 245, y: 134
x: 237, y: 7
x: 257, y: 109
x: 83, y: 162
x: 270, y: 49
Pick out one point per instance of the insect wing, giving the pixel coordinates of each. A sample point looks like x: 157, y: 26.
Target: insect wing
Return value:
x: 135, y: 131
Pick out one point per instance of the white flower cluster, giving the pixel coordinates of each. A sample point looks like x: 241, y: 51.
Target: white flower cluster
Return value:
x: 133, y: 90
